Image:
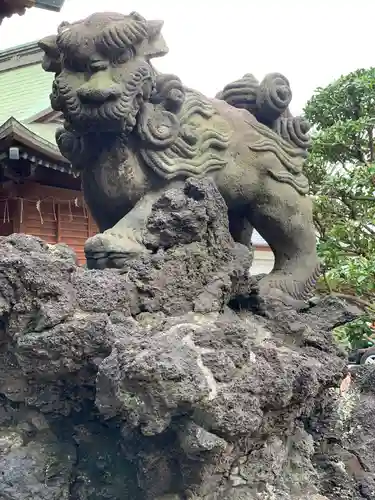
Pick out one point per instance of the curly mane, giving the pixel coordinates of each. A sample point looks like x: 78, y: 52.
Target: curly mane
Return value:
x: 181, y: 132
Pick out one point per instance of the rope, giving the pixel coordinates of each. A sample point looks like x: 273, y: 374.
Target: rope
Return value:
x: 76, y: 202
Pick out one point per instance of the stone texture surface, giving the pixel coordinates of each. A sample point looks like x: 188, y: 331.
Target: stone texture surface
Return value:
x: 157, y: 382
x: 134, y: 133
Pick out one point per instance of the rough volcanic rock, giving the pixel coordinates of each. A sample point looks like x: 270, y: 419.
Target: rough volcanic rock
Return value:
x: 345, y: 442
x: 144, y: 384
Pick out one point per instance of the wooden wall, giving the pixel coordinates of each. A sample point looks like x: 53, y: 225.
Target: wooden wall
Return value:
x: 7, y: 209
x: 56, y: 215
x: 59, y: 215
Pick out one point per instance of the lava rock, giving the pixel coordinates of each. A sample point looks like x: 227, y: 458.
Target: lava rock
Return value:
x: 153, y: 383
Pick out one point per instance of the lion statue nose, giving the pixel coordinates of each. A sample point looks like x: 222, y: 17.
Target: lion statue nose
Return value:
x: 89, y: 95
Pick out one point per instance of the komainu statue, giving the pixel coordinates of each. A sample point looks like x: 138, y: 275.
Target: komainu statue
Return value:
x: 132, y: 133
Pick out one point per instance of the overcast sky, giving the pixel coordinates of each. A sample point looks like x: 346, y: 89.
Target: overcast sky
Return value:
x: 213, y: 42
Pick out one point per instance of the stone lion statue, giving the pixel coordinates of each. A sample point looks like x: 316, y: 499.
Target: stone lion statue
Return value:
x: 132, y: 133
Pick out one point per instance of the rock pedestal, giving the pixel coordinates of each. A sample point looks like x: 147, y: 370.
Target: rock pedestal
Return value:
x: 164, y: 380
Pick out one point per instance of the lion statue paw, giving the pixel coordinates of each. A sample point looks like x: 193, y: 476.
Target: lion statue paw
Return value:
x: 113, y: 249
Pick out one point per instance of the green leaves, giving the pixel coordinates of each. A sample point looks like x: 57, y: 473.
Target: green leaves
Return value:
x: 341, y: 171
x: 351, y: 97
x: 354, y: 335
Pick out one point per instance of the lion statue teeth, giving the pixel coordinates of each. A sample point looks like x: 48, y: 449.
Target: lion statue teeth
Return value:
x: 132, y: 133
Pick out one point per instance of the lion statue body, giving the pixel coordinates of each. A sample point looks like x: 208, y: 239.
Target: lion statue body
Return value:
x: 133, y: 133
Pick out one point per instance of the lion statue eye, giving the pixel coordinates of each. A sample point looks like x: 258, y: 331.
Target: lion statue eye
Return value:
x: 123, y: 57
x: 98, y: 65
x: 74, y: 65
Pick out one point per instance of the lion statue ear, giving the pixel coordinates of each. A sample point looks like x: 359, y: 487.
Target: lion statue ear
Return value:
x: 51, y: 60
x: 154, y: 45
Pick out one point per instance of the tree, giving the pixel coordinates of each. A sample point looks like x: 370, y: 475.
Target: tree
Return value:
x: 341, y: 170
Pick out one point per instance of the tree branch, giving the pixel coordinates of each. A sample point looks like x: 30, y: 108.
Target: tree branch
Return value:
x: 344, y: 167
x: 362, y: 198
x: 369, y: 229
x: 319, y: 227
x: 345, y: 200
x: 361, y: 302
x: 371, y: 144
x: 327, y: 283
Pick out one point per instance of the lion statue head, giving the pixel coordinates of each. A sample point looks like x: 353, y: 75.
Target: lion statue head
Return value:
x: 102, y: 70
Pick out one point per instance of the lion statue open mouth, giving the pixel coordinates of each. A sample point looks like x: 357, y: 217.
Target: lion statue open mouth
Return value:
x: 132, y: 133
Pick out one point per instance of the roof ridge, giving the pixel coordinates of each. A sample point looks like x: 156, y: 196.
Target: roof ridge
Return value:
x: 23, y: 48
x: 20, y: 55
x: 23, y: 133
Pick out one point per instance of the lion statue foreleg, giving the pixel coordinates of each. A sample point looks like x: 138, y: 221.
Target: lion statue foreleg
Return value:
x: 124, y: 241
x: 107, y: 249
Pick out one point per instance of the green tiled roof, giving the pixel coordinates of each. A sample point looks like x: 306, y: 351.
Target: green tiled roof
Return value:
x: 44, y: 130
x: 24, y: 92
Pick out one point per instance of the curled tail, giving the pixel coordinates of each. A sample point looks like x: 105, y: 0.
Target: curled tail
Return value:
x: 269, y: 102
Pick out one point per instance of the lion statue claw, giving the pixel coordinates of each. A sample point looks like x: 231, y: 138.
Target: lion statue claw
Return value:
x: 132, y: 133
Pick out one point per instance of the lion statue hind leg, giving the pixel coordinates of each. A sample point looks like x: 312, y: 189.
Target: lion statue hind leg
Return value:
x: 283, y: 217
